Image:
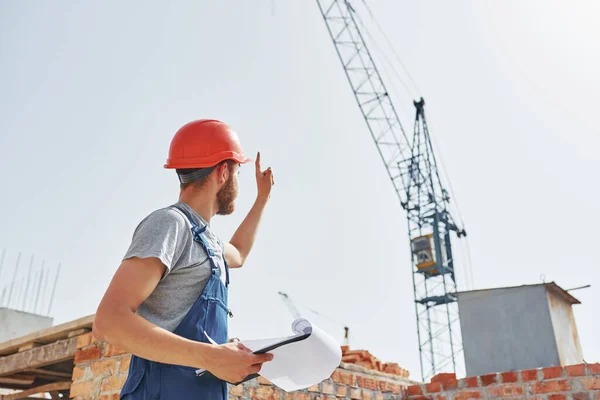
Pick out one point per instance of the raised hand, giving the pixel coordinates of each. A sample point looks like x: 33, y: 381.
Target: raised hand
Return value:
x: 264, y: 180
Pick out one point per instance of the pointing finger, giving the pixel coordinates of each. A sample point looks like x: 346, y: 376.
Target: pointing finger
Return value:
x: 257, y: 163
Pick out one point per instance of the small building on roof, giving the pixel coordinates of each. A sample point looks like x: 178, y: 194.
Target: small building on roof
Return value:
x: 517, y: 328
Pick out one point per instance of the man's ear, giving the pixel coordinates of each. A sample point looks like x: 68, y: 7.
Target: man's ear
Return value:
x: 222, y: 172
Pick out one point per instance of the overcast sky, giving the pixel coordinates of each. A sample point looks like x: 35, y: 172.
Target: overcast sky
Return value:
x: 91, y: 94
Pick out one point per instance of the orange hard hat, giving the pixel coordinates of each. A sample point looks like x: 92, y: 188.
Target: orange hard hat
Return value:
x: 204, y: 143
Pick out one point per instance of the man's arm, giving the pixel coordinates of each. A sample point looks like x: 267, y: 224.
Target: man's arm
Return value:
x: 116, y: 322
x: 238, y: 248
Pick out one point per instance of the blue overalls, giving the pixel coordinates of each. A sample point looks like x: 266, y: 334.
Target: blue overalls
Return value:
x: 149, y: 380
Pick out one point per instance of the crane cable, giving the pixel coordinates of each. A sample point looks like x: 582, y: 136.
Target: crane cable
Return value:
x: 465, y: 250
x: 389, y: 42
x: 374, y: 43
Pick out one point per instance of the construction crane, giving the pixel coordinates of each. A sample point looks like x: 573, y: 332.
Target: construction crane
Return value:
x: 413, y: 171
x: 296, y: 314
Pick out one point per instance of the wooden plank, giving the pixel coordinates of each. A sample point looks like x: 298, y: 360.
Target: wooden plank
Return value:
x: 51, y: 387
x: 48, y: 373
x: 23, y: 380
x: 48, y: 335
x: 37, y: 357
x: 78, y: 332
x: 28, y: 346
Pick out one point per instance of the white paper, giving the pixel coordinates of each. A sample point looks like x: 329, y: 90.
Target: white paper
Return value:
x: 301, y: 364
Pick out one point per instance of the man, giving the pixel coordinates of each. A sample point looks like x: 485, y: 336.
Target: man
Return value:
x: 167, y: 302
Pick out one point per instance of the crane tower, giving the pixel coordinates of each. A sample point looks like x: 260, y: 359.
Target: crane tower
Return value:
x: 413, y: 171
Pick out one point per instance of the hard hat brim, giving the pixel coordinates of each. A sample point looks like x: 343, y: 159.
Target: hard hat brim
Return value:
x: 206, y: 162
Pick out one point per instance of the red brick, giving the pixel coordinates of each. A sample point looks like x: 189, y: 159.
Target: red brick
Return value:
x: 112, y: 383
x: 298, y: 396
x: 388, y: 387
x: 265, y: 393
x: 367, y: 394
x: 85, y: 388
x: 529, y: 375
x: 104, y: 367
x: 433, y: 387
x: 553, y: 372
x: 89, y: 354
x: 356, y: 394
x: 367, y: 383
x: 452, y: 385
x: 591, y: 383
x: 84, y: 340
x: 551, y: 386
x: 263, y: 381
x: 124, y: 366
x: 327, y: 387
x: 575, y: 370
x: 473, y: 394
x: 111, y: 350
x: 114, y: 396
x: 78, y: 374
x: 505, y: 390
x: 582, y: 396
x: 557, y: 397
x: 314, y: 388
x: 342, y: 391
x: 414, y: 389
x: 343, y: 377
x: 470, y: 382
x: 440, y: 397
x: 594, y: 369
x: 488, y: 379
x: 237, y: 390
x: 509, y: 377
x: 444, y: 377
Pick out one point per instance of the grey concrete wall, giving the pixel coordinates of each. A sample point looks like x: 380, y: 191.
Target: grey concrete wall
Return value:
x: 14, y: 323
x: 506, y: 329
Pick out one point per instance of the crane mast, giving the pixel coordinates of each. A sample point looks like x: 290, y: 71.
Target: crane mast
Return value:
x: 413, y: 171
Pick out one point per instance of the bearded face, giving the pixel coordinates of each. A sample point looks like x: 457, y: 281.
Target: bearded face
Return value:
x: 227, y: 195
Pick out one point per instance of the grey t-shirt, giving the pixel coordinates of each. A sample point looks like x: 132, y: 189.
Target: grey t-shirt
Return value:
x: 166, y: 234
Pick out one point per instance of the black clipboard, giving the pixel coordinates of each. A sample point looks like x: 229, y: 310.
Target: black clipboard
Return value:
x: 289, y: 340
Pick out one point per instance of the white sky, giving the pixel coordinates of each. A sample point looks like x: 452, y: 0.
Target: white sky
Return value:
x: 93, y: 92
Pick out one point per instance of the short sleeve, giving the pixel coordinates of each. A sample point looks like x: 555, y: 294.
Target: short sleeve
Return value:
x: 161, y: 234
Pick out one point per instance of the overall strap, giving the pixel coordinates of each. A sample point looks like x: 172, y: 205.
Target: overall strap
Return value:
x: 197, y: 235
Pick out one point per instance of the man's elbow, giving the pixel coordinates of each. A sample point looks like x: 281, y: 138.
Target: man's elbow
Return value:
x: 239, y: 262
x: 101, y: 328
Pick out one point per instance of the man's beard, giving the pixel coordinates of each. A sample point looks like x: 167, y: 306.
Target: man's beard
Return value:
x: 226, y: 198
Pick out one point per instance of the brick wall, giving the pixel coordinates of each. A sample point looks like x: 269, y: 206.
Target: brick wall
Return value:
x: 575, y: 382
x: 101, y: 369
x: 347, y: 382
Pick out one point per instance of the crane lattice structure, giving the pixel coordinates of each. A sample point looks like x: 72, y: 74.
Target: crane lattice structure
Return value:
x: 413, y: 171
